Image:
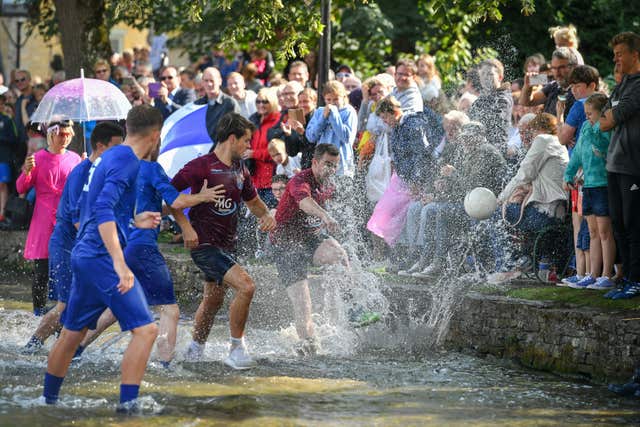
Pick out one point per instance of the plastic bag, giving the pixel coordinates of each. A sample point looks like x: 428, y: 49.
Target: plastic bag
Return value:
x: 390, y: 214
x: 379, y: 172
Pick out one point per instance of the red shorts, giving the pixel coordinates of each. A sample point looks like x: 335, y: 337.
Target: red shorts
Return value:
x: 576, y: 200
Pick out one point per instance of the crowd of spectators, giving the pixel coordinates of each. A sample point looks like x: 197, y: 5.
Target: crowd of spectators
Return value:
x: 556, y: 145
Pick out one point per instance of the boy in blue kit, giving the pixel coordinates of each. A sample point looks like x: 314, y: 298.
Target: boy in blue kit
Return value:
x: 144, y: 258
x: 104, y: 136
x: 101, y: 277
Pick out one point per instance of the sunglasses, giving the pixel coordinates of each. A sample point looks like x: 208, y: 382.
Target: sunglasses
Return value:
x: 101, y: 71
x: 163, y: 78
x: 24, y: 79
x: 261, y: 101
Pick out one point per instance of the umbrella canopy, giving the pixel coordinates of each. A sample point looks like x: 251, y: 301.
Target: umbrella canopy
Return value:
x: 184, y: 137
x: 82, y: 100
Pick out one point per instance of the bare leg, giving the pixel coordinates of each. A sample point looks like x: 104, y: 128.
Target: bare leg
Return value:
x: 169, y: 315
x: 4, y: 196
x: 134, y: 361
x: 301, y: 301
x: 106, y: 319
x: 212, y: 300
x: 580, y: 258
x: 63, y: 350
x: 608, y: 245
x: 238, y: 279
x: 330, y: 252
x: 595, y: 248
x: 50, y: 323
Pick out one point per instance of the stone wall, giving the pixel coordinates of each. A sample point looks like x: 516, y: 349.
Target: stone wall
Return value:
x: 602, y: 345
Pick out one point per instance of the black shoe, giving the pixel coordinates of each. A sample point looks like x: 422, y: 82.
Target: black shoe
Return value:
x: 628, y: 389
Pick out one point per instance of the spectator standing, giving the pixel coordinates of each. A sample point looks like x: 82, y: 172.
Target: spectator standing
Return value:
x: 218, y: 103
x: 623, y: 159
x: 25, y: 106
x: 406, y: 91
x: 245, y: 98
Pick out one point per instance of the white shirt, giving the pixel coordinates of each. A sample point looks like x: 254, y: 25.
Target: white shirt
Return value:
x: 288, y: 169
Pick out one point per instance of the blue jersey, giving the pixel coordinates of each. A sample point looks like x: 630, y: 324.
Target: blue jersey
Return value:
x: 64, y: 233
x: 153, y: 186
x: 108, y: 195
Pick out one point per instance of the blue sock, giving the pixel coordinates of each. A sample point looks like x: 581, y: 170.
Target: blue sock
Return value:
x: 52, y: 386
x: 128, y: 392
x: 78, y: 352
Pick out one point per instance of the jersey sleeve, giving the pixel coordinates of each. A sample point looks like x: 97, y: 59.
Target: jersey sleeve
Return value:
x: 162, y: 184
x: 249, y: 192
x: 187, y: 176
x: 117, y: 179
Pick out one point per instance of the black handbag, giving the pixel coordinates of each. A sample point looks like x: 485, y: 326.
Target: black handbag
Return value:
x: 19, y: 212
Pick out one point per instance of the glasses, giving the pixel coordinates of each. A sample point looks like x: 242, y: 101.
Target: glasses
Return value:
x: 163, y: 78
x: 559, y: 67
x: 22, y: 80
x: 101, y: 71
x: 404, y: 74
x: 343, y: 75
x: 289, y: 94
x: 278, y: 189
x: 262, y: 101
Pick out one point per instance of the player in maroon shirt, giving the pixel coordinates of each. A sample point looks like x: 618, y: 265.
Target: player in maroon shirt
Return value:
x: 212, y: 236
x: 301, y: 238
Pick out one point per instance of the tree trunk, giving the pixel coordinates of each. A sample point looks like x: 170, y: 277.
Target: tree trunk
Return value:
x: 73, y: 16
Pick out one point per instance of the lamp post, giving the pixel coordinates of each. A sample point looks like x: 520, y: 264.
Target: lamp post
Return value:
x: 324, y: 60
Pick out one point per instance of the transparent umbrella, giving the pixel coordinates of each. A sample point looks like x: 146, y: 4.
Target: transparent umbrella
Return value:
x: 82, y: 100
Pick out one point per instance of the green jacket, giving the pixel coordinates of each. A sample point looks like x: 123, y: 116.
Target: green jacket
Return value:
x: 590, y: 154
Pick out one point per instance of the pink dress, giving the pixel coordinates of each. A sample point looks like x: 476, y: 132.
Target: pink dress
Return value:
x: 48, y: 177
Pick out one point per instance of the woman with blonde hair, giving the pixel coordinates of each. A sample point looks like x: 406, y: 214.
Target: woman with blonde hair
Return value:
x: 567, y: 36
x: 428, y: 73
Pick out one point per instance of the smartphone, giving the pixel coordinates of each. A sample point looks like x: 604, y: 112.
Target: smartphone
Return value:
x: 154, y: 88
x: 297, y: 114
x: 538, y: 79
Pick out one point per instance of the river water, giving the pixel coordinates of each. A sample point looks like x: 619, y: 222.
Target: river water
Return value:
x: 346, y: 384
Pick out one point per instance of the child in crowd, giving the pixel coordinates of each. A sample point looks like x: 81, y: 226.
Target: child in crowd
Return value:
x: 590, y: 153
x: 287, y: 165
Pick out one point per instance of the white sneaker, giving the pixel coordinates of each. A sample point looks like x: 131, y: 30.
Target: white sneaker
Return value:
x: 414, y: 269
x: 239, y: 358
x: 194, y: 352
x: 429, y: 272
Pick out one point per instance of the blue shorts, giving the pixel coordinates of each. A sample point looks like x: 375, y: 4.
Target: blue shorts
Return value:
x: 60, y: 275
x: 5, y: 172
x: 94, y: 288
x: 595, y: 201
x: 214, y: 263
x: 584, y: 240
x: 149, y: 267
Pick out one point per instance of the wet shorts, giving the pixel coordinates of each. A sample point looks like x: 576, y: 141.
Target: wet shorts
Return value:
x: 94, y: 288
x: 584, y: 240
x: 213, y: 262
x: 293, y: 258
x: 595, y: 201
x: 148, y: 265
x: 60, y: 276
x: 5, y: 172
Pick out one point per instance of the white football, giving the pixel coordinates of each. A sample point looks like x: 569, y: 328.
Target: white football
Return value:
x: 480, y: 203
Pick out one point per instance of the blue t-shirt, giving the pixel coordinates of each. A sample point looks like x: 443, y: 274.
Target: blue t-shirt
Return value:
x: 108, y: 195
x: 64, y: 233
x: 153, y: 185
x: 576, y: 116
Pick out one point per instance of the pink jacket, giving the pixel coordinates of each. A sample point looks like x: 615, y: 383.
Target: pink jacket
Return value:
x: 48, y: 177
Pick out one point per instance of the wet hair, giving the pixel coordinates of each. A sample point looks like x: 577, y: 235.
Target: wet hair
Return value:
x: 143, y: 119
x: 568, y: 34
x: 565, y: 53
x: 232, y: 124
x: 334, y: 87
x: 103, y: 132
x: 585, y: 74
x: 322, y: 149
x: 388, y: 105
x: 280, y: 178
x: 544, y: 122
x: 597, y: 101
x: 629, y: 39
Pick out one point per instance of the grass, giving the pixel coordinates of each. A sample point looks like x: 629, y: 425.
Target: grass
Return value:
x: 575, y: 297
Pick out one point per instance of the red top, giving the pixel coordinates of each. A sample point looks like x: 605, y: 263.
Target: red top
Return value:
x: 292, y: 222
x: 265, y: 167
x: 216, y: 223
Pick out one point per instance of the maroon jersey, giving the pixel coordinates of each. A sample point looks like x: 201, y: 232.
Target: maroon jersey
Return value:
x: 292, y: 222
x: 216, y: 222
